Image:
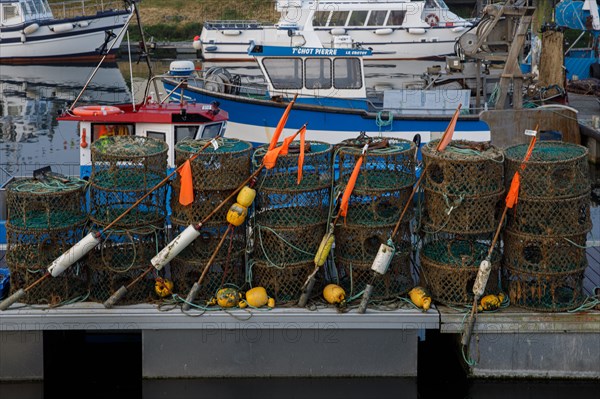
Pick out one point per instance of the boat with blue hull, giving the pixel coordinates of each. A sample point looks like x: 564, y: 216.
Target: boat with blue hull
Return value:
x: 331, y: 97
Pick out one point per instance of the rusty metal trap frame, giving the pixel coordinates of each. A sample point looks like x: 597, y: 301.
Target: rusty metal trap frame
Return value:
x: 210, y: 234
x: 555, y: 170
x: 449, y: 266
x: 228, y: 270
x: 461, y: 214
x: 353, y: 270
x: 122, y: 256
x: 551, y: 216
x: 545, y: 292
x: 31, y: 251
x: 543, y: 254
x: 282, y: 282
x: 224, y: 168
x: 465, y: 168
x: 46, y: 205
x: 125, y: 168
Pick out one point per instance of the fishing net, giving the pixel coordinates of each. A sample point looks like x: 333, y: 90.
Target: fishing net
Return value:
x: 465, y: 169
x: 544, y: 254
x: 462, y: 214
x: 316, y: 171
x: 122, y: 256
x: 449, y: 267
x: 546, y: 292
x: 378, y: 207
x: 551, y: 216
x: 205, y: 201
x: 284, y: 245
x: 388, y: 165
x: 282, y: 208
x: 29, y: 254
x: 225, y: 168
x: 290, y: 219
x: 210, y: 235
x: 46, y: 205
x: 284, y: 283
x: 555, y: 170
x: 124, y: 169
x: 354, y: 273
x: 228, y: 270
x: 45, y: 219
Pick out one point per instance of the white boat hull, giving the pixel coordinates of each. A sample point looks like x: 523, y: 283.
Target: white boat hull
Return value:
x: 79, y: 42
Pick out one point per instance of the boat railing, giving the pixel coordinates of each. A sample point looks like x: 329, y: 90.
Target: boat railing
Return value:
x: 369, y: 104
x: 76, y: 8
x: 233, y: 24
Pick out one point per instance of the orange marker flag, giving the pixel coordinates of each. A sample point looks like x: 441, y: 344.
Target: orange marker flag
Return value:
x: 447, y: 136
x: 513, y: 192
x: 186, y: 195
x: 281, y: 124
x: 351, y: 184
x: 301, y: 156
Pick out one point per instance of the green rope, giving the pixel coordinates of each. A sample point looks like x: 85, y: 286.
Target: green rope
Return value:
x: 381, y: 123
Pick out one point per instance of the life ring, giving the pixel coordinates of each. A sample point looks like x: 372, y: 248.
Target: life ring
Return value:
x: 96, y: 110
x: 432, y: 20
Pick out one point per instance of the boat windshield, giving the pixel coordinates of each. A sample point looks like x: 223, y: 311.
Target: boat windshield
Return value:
x: 36, y: 9
x: 436, y: 4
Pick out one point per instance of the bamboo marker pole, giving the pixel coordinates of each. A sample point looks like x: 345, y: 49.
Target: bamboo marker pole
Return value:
x: 485, y: 267
x: 386, y: 251
x: 184, y: 239
x: 329, y: 238
x: 89, y: 242
x: 191, y: 297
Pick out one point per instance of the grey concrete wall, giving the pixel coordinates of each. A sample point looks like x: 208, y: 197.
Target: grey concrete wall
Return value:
x: 281, y: 352
x: 531, y: 355
x: 21, y: 355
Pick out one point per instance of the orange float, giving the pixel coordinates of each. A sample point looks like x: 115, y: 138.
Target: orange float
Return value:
x: 96, y: 110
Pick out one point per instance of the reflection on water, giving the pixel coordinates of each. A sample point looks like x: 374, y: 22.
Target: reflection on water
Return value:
x: 31, y: 97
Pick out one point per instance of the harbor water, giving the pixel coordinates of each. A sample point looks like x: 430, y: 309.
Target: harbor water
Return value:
x: 108, y: 363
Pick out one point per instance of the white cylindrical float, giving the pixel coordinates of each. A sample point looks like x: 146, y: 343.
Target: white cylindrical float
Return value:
x: 383, y: 259
x: 76, y: 252
x: 175, y: 247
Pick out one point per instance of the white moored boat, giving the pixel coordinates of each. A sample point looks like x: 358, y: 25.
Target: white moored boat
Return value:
x: 392, y: 29
x: 33, y: 30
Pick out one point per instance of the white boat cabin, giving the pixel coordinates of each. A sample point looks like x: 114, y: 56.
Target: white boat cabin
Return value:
x: 19, y: 12
x: 324, y: 76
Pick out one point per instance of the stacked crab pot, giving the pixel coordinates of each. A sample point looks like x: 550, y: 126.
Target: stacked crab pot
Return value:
x: 544, y: 257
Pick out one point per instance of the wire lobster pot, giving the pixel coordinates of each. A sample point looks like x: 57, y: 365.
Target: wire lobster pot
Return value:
x: 124, y: 170
x: 463, y: 193
x: 217, y: 172
x: 545, y: 257
x: 45, y: 219
x: 383, y: 187
x: 290, y: 219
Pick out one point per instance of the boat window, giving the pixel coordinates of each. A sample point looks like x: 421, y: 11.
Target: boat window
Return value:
x: 338, y: 18
x: 101, y: 130
x: 284, y: 73
x: 435, y: 4
x: 396, y: 17
x: 357, y: 18
x: 211, y: 131
x: 34, y: 9
x: 181, y: 132
x: 157, y: 135
x: 10, y: 11
x: 346, y: 73
x: 377, y: 18
x: 320, y: 18
x: 318, y: 73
